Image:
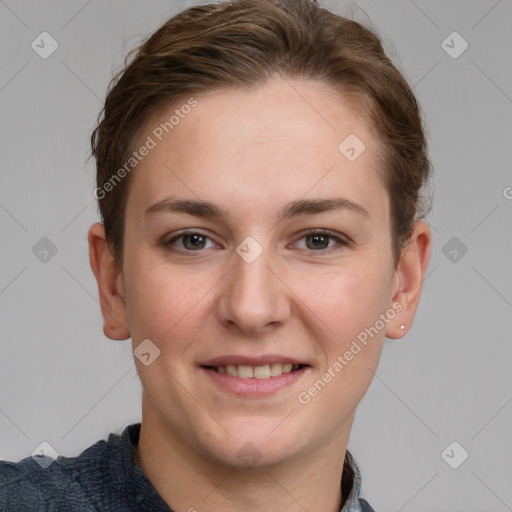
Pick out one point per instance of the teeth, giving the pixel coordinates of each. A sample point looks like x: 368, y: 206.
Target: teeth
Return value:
x: 231, y: 369
x: 245, y: 372
x: 262, y: 372
x: 276, y: 369
x: 265, y: 371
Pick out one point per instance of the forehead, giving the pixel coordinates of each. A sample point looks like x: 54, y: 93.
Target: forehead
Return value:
x: 275, y: 143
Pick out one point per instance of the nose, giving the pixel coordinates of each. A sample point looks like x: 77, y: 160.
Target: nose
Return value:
x: 254, y: 298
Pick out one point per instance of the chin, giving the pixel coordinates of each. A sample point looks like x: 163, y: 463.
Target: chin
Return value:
x: 254, y: 443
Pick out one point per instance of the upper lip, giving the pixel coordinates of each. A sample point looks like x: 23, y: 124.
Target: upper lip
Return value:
x: 252, y: 360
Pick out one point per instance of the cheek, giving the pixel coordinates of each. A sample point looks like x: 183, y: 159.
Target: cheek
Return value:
x: 165, y: 299
x: 345, y: 301
x: 344, y: 310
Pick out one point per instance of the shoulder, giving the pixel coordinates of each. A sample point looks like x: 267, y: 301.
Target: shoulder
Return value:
x: 81, y: 483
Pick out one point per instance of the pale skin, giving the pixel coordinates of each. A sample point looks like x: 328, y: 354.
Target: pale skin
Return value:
x: 251, y: 154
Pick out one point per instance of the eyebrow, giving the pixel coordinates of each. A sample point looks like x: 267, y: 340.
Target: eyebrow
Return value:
x: 205, y: 209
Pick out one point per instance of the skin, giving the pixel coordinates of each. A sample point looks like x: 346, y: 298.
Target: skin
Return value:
x: 251, y: 153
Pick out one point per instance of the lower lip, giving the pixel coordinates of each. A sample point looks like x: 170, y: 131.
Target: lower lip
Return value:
x: 254, y: 387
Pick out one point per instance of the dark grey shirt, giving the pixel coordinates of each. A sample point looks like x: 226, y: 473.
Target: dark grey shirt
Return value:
x: 106, y: 478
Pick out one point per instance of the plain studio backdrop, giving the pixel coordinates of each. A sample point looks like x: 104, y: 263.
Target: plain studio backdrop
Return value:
x: 441, y: 394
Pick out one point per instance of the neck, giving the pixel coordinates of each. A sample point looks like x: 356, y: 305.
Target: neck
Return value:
x: 191, y: 481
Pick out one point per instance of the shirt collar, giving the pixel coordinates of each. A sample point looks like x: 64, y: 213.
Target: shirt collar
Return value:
x: 353, y: 503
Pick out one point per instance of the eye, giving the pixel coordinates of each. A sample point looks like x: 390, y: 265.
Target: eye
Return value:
x: 315, y: 240
x: 190, y: 241
x: 320, y: 239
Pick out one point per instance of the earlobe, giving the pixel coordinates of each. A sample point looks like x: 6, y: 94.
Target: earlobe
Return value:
x: 107, y: 274
x: 408, y: 279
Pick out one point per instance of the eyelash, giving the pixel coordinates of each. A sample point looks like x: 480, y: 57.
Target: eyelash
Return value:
x: 312, y: 232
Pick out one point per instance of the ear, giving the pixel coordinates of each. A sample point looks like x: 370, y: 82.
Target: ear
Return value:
x: 110, y: 284
x: 408, y: 279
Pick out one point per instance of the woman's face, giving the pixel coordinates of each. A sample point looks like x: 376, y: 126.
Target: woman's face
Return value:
x: 274, y: 249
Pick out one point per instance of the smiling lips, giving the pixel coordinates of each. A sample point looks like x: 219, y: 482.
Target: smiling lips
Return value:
x: 254, y: 377
x: 262, y: 367
x: 265, y: 371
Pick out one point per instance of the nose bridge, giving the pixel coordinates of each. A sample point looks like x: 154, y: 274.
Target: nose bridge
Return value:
x: 253, y: 298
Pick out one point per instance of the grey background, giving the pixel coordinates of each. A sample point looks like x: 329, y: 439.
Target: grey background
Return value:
x: 62, y: 381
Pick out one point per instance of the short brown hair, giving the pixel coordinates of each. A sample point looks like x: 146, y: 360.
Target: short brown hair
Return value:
x: 243, y: 43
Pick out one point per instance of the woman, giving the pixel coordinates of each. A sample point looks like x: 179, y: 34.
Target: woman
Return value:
x: 259, y: 174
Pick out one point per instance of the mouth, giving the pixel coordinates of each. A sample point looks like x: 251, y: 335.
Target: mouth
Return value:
x: 261, y: 372
x: 254, y: 376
